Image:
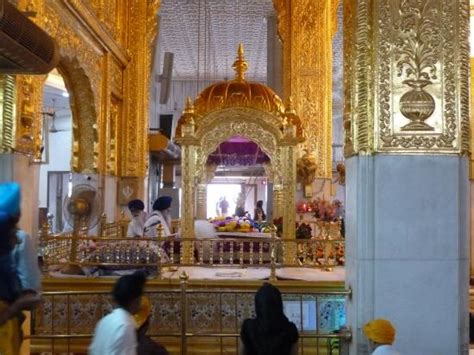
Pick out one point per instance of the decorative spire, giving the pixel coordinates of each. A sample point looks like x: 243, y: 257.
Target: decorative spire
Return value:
x: 240, y: 65
x: 189, y: 107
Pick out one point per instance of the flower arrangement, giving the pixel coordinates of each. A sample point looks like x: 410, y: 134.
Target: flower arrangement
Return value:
x: 321, y: 209
x: 325, y: 210
x: 235, y: 224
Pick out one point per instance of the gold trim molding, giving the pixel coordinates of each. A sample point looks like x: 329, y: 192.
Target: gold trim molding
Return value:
x: 7, y: 113
x: 409, y: 93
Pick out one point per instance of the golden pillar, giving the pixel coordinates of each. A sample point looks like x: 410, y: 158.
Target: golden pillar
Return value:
x: 306, y: 28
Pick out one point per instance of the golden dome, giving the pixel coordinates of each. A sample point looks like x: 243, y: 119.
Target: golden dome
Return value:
x: 238, y: 92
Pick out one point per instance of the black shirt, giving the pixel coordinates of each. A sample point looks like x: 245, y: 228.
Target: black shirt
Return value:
x: 277, y: 342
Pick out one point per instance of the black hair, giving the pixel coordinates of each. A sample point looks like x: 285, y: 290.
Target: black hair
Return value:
x: 128, y: 288
x: 270, y: 332
x: 269, y: 308
x: 260, y: 203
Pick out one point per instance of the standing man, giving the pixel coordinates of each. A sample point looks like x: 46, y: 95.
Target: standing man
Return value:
x: 381, y: 335
x: 224, y: 206
x: 139, y: 216
x: 161, y: 215
x: 115, y: 334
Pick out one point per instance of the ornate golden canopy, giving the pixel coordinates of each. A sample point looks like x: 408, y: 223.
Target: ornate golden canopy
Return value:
x: 239, y: 108
x: 239, y: 92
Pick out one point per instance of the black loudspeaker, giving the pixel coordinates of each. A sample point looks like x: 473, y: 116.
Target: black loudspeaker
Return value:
x: 166, y: 125
x: 165, y: 77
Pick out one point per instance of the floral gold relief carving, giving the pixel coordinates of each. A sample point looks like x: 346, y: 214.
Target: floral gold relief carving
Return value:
x: 415, y: 51
x: 416, y: 55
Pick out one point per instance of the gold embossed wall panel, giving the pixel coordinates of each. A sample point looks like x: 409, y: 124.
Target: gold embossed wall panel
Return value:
x: 307, y: 28
x: 471, y: 174
x: 348, y: 45
x: 422, y: 77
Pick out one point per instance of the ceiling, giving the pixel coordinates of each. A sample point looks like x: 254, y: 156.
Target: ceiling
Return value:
x: 212, y: 30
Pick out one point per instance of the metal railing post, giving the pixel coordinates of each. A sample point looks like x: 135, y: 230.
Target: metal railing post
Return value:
x: 184, y: 314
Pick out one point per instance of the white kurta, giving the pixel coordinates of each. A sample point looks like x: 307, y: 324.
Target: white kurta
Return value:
x: 385, y: 350
x: 153, y: 220
x: 135, y: 227
x: 115, y: 334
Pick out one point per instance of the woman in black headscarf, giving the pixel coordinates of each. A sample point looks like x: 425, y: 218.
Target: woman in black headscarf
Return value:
x: 270, y: 332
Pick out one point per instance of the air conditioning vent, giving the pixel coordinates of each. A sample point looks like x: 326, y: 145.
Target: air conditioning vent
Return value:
x: 24, y: 47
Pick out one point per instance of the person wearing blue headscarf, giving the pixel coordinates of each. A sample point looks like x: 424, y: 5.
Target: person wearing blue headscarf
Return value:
x: 12, y: 300
x: 161, y: 215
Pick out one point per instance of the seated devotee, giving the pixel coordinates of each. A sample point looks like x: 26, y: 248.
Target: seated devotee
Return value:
x: 139, y: 216
x: 270, y: 332
x: 381, y: 335
x: 259, y: 214
x: 116, y: 333
x: 146, y: 345
x: 12, y: 300
x: 161, y: 215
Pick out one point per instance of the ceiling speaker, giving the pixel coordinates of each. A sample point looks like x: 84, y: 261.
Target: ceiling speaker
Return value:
x: 165, y: 77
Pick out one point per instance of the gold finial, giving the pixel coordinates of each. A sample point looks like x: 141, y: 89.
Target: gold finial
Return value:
x: 289, y: 106
x: 188, y: 113
x: 189, y: 108
x: 240, y: 65
x: 183, y: 276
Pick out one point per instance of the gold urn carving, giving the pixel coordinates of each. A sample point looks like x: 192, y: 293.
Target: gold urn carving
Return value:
x: 416, y: 54
x: 417, y: 105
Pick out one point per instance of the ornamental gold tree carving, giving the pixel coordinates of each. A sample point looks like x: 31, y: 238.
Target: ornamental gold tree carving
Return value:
x: 416, y: 53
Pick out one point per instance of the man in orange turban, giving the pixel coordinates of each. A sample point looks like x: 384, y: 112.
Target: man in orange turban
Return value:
x: 381, y: 334
x: 146, y: 345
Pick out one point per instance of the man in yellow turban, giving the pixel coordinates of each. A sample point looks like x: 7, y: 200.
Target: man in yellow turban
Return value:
x: 146, y: 345
x: 381, y: 335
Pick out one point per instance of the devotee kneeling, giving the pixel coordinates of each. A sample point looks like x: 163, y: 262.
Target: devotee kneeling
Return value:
x: 146, y: 345
x: 381, y: 335
x: 270, y: 332
x: 115, y: 334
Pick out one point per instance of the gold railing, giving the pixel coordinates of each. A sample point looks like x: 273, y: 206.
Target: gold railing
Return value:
x: 167, y: 253
x: 191, y: 320
x: 112, y: 249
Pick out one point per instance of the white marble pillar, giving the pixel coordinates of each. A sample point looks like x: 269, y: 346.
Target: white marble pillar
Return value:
x: 407, y: 188
x: 407, y: 250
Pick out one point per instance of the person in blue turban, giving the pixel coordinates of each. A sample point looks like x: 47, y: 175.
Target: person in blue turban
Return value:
x: 139, y: 216
x: 161, y: 215
x: 12, y: 300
